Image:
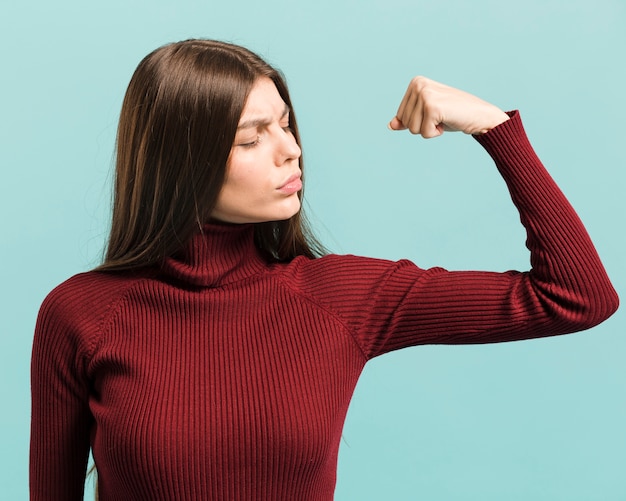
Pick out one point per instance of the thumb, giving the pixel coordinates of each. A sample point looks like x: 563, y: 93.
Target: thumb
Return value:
x: 396, y: 124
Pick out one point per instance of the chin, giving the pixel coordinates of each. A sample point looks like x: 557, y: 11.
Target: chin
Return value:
x: 284, y: 218
x: 288, y: 212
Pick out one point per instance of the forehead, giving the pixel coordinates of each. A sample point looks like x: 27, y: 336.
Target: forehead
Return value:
x: 264, y: 101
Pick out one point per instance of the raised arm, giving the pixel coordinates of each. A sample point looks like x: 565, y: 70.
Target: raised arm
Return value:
x: 567, y: 288
x: 394, y: 305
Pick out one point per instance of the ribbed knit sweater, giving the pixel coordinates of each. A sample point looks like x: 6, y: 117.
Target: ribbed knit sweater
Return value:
x: 221, y: 376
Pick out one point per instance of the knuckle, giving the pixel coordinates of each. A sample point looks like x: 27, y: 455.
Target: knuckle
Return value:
x: 428, y: 93
x: 418, y: 82
x: 430, y: 108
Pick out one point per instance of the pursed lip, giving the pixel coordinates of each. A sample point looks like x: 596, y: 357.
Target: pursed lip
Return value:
x: 292, y: 181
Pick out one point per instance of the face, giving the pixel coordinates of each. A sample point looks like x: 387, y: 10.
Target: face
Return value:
x: 263, y: 171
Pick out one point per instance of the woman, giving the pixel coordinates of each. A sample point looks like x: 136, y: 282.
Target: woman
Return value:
x: 213, y: 354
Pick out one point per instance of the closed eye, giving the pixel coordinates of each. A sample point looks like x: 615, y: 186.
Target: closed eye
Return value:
x: 250, y: 144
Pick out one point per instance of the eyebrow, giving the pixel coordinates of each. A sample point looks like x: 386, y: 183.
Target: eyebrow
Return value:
x: 259, y: 122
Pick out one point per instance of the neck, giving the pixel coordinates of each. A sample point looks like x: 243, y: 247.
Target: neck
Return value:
x: 220, y: 254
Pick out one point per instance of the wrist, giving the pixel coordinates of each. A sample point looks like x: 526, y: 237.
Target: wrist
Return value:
x: 498, y: 119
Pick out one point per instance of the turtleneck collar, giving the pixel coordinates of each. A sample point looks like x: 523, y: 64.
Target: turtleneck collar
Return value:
x: 220, y: 255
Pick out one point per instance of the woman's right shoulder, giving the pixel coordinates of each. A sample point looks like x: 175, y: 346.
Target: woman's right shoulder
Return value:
x: 86, y: 295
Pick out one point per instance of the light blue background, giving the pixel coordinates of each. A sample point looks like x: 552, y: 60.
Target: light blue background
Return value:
x: 538, y: 420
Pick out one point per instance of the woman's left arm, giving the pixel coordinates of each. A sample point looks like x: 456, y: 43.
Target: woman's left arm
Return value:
x: 567, y: 288
x: 387, y: 306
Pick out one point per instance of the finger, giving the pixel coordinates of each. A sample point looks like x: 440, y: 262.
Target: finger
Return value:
x: 403, y: 104
x: 432, y: 121
x: 396, y: 124
x: 430, y: 130
x: 413, y: 113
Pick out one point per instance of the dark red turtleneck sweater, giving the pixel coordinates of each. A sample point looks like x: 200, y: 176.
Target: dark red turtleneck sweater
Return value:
x: 227, y: 378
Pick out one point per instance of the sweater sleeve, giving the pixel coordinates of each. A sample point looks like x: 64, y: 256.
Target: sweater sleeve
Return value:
x: 61, y: 420
x: 387, y: 306
x: 69, y: 327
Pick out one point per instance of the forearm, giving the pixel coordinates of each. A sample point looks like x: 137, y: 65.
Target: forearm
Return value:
x: 566, y: 269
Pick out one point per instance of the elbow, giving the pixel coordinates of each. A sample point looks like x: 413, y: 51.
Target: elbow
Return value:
x: 594, y: 307
x: 577, y: 310
x: 604, y: 301
x: 609, y: 306
x: 614, y: 302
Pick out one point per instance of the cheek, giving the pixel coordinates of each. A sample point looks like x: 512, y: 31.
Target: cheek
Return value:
x: 238, y: 180
x: 247, y: 174
x: 240, y: 189
x: 233, y: 175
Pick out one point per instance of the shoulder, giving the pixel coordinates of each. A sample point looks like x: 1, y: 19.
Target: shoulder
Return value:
x: 83, y: 302
x: 333, y: 275
x: 332, y: 266
x: 88, y: 289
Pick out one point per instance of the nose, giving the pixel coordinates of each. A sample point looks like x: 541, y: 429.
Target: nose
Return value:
x: 287, y: 148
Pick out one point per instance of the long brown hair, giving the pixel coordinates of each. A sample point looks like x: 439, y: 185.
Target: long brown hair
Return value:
x: 177, y: 125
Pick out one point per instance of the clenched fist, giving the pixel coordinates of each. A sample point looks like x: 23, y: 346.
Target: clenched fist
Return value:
x: 429, y: 108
